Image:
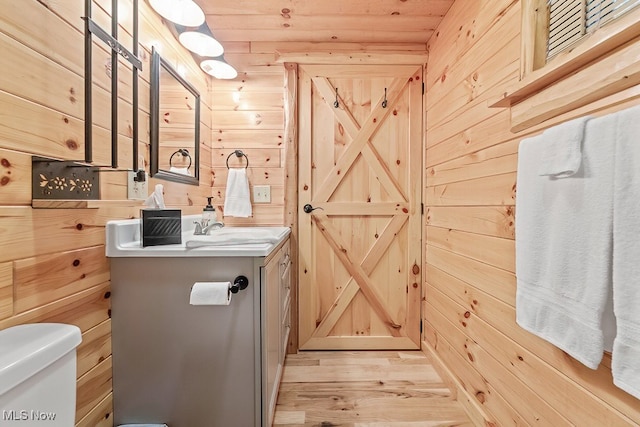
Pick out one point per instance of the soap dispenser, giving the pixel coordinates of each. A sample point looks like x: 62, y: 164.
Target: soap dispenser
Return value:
x: 209, y: 213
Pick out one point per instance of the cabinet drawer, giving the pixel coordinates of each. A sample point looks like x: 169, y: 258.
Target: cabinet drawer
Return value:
x: 285, y: 269
x: 285, y: 278
x: 286, y: 327
x: 286, y: 302
x: 285, y: 261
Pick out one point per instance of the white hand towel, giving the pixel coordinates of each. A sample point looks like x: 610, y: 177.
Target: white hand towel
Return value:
x: 626, y: 253
x: 562, y: 148
x: 237, y: 201
x: 563, y: 245
x: 183, y: 171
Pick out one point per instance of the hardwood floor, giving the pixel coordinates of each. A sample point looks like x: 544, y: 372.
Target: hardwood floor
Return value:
x: 365, y: 389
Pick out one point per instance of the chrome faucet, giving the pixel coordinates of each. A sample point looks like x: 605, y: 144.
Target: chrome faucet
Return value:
x: 203, y: 227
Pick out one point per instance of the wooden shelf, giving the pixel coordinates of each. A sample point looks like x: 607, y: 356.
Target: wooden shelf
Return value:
x: 82, y: 204
x: 593, y: 47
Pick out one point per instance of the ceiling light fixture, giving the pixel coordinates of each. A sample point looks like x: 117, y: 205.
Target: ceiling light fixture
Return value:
x: 195, y: 35
x: 218, y: 68
x: 181, y: 12
x: 201, y: 42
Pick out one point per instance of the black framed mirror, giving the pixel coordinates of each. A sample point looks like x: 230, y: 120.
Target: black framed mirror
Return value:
x: 175, y: 124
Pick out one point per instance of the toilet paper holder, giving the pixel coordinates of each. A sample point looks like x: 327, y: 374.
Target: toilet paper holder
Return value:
x: 239, y: 283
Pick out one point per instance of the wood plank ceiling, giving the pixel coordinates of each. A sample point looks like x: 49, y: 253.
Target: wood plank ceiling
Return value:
x: 340, y: 21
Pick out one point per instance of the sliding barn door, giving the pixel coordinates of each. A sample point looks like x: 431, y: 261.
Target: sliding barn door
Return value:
x: 360, y: 160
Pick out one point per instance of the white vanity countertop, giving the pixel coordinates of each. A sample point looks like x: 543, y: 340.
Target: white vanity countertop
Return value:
x: 123, y: 240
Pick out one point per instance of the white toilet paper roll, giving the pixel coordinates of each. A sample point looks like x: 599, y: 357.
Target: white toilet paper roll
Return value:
x: 210, y: 293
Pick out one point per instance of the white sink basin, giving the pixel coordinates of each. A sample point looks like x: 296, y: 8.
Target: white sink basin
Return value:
x: 123, y: 240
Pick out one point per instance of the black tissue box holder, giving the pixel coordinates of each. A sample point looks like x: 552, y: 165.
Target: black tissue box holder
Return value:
x: 161, y: 227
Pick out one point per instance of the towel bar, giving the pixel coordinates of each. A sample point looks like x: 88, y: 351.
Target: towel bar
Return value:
x: 238, y: 154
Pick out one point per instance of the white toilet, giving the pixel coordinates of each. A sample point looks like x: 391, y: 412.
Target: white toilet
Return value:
x: 38, y: 375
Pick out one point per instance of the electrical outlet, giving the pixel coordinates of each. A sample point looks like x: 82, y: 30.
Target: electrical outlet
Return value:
x: 137, y: 190
x: 261, y: 194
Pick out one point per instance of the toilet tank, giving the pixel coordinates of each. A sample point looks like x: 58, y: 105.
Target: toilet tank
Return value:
x: 38, y: 375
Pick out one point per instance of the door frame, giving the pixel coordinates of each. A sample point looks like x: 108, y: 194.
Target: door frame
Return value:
x: 291, y: 144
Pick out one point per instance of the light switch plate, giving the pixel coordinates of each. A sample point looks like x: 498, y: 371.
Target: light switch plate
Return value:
x: 137, y: 190
x: 261, y: 194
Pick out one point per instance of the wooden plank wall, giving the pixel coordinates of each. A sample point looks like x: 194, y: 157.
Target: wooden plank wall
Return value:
x: 511, y: 376
x: 248, y: 115
x: 52, y: 262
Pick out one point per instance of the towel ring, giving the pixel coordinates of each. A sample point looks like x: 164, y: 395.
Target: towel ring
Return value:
x: 238, y: 154
x: 184, y: 152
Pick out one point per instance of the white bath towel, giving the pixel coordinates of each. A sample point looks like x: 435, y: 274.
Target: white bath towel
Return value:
x: 563, y: 245
x: 237, y: 201
x: 626, y: 253
x: 230, y: 237
x: 198, y: 242
x: 562, y: 148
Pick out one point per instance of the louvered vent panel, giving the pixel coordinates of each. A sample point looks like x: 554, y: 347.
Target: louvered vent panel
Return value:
x: 566, y: 24
x: 570, y: 20
x: 601, y: 11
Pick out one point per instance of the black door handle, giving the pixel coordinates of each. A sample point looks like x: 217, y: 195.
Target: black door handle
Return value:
x: 308, y: 208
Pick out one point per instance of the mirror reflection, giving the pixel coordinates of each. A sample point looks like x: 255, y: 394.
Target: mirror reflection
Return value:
x: 181, y: 164
x: 175, y: 124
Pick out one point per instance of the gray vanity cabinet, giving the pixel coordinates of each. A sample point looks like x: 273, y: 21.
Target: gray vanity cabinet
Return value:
x: 185, y: 365
x: 276, y: 324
